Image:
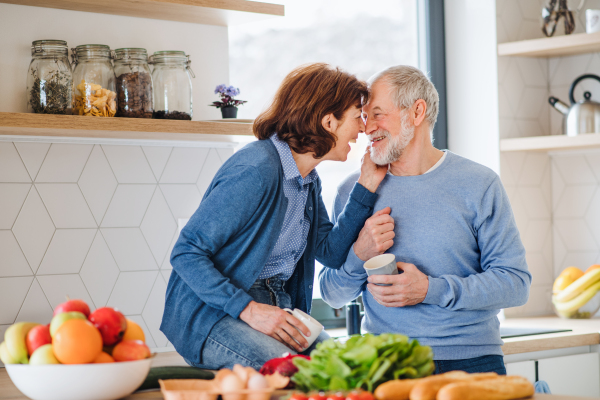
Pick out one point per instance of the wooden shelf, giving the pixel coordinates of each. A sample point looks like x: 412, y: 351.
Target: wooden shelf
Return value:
x: 557, y: 46
x: 551, y: 143
x: 72, y: 126
x: 208, y: 12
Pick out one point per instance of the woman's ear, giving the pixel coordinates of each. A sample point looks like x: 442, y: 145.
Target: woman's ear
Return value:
x: 330, y: 123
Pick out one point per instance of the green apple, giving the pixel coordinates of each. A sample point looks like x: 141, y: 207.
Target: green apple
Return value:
x: 43, y: 355
x: 59, y: 319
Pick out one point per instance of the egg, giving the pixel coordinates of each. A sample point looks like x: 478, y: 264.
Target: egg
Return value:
x: 257, y: 382
x: 231, y: 383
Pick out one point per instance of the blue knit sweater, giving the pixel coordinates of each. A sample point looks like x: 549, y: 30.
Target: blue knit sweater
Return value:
x: 456, y: 225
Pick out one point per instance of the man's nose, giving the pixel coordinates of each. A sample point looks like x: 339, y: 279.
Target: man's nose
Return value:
x: 370, y: 126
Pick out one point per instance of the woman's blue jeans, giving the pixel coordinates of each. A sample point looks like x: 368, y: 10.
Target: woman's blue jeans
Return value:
x: 232, y: 341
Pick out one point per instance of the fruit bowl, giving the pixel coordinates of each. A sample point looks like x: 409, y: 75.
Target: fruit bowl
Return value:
x: 588, y: 310
x: 79, y: 381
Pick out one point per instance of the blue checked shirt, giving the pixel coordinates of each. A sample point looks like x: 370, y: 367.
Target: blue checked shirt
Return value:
x: 292, y: 240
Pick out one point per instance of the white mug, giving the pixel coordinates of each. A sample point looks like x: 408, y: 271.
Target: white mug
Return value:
x: 312, y: 324
x: 592, y: 21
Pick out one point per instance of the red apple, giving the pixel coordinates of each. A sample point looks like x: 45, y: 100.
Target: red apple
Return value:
x: 73, y: 305
x: 37, y: 337
x: 131, y: 350
x: 111, y: 324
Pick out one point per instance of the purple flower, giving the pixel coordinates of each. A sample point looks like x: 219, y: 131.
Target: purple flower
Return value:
x: 232, y: 91
x: 221, y: 88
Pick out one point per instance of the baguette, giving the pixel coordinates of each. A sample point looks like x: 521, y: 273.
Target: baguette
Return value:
x: 428, y: 389
x: 500, y: 388
x: 399, y: 389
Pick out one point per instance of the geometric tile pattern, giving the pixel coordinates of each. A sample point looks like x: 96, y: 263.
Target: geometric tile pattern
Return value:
x: 95, y: 222
x: 527, y: 179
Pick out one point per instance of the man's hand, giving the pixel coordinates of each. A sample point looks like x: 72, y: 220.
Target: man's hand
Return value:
x: 278, y: 324
x: 407, y: 289
x: 371, y: 174
x: 376, y: 236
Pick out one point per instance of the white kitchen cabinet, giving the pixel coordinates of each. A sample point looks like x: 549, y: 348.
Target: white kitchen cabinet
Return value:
x: 575, y: 375
x: 524, y: 368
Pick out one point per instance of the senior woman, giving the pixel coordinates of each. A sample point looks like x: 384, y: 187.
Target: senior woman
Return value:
x: 249, y: 250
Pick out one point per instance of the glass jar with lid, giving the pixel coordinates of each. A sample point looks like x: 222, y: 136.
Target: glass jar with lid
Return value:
x: 172, y: 85
x: 49, y: 80
x: 93, y: 81
x: 134, y: 83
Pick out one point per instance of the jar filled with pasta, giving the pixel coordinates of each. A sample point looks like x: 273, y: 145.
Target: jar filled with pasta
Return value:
x: 94, y: 87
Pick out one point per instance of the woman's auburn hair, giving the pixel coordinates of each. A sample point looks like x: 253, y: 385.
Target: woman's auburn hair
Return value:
x: 305, y: 97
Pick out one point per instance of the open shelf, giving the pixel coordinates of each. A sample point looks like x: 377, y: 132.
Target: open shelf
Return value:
x: 557, y: 46
x: 208, y: 12
x: 551, y: 143
x: 117, y: 128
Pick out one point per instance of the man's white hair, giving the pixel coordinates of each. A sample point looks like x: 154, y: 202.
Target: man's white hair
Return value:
x: 408, y: 84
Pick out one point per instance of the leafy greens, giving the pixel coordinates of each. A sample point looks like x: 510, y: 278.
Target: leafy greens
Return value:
x: 362, y: 362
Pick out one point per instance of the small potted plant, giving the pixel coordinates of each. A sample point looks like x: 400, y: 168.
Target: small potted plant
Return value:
x: 228, y: 104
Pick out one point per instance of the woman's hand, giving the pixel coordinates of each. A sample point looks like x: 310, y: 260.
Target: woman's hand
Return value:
x: 278, y: 324
x: 371, y: 174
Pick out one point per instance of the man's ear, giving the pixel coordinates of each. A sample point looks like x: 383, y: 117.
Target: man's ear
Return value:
x: 330, y: 123
x: 419, y: 111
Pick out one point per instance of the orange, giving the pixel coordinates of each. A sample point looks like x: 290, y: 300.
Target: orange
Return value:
x: 134, y: 332
x: 591, y: 268
x: 77, y: 341
x: 103, y: 358
x: 568, y: 276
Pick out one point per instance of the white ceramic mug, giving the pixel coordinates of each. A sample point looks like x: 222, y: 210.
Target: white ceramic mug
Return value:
x: 383, y: 264
x: 592, y: 21
x: 312, y: 324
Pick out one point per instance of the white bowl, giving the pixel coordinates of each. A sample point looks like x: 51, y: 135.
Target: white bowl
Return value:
x: 80, y: 381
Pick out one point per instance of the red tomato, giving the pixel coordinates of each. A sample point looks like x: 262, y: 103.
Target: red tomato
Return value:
x: 353, y: 396
x: 298, y: 396
x: 317, y: 396
x: 336, y: 396
x: 366, y: 396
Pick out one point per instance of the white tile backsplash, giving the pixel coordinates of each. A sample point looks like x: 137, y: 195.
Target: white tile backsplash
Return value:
x: 64, y: 162
x: 66, y: 205
x: 33, y: 155
x: 12, y: 168
x: 129, y: 164
x: 128, y: 206
x: 96, y: 225
x: 12, y: 196
x: 97, y: 183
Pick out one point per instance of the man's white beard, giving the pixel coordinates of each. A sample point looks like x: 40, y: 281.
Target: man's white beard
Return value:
x: 396, y: 144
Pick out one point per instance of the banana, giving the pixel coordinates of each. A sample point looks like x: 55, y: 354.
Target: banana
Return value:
x: 570, y: 307
x: 5, y: 356
x: 14, y: 337
x: 577, y: 287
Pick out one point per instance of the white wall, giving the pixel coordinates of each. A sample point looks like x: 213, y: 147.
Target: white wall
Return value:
x: 472, y: 80
x: 20, y: 25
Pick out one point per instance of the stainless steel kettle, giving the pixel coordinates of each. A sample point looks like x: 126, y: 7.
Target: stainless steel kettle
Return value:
x: 581, y: 117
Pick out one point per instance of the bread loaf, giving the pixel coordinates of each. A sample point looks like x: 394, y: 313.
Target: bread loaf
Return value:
x: 399, y: 389
x: 428, y: 389
x: 500, y: 388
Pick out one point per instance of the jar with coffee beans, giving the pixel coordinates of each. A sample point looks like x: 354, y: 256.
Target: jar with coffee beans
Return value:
x: 134, y: 83
x: 171, y: 76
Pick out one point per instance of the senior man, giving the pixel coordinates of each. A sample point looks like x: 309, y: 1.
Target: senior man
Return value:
x: 460, y: 256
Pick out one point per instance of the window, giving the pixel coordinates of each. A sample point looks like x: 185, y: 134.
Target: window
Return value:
x: 360, y: 37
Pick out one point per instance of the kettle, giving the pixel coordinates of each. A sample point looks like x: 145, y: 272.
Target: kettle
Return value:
x: 581, y: 117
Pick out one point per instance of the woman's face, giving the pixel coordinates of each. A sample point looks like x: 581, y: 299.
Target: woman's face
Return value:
x: 346, y: 130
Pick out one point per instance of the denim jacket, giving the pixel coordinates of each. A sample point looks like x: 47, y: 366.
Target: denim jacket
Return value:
x: 224, y: 246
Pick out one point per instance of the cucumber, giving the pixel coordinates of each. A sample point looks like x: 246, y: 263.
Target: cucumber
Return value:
x: 173, y: 372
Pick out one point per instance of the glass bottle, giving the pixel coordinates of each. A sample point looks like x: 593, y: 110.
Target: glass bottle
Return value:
x: 171, y: 77
x: 134, y: 83
x: 49, y: 80
x: 93, y: 81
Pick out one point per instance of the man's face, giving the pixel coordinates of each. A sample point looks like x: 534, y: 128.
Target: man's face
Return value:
x: 389, y: 128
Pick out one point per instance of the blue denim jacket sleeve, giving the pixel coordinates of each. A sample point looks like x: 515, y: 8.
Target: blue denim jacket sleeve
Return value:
x: 232, y: 201
x: 334, y: 241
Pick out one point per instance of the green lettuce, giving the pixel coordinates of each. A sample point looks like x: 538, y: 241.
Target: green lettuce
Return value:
x: 362, y: 362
